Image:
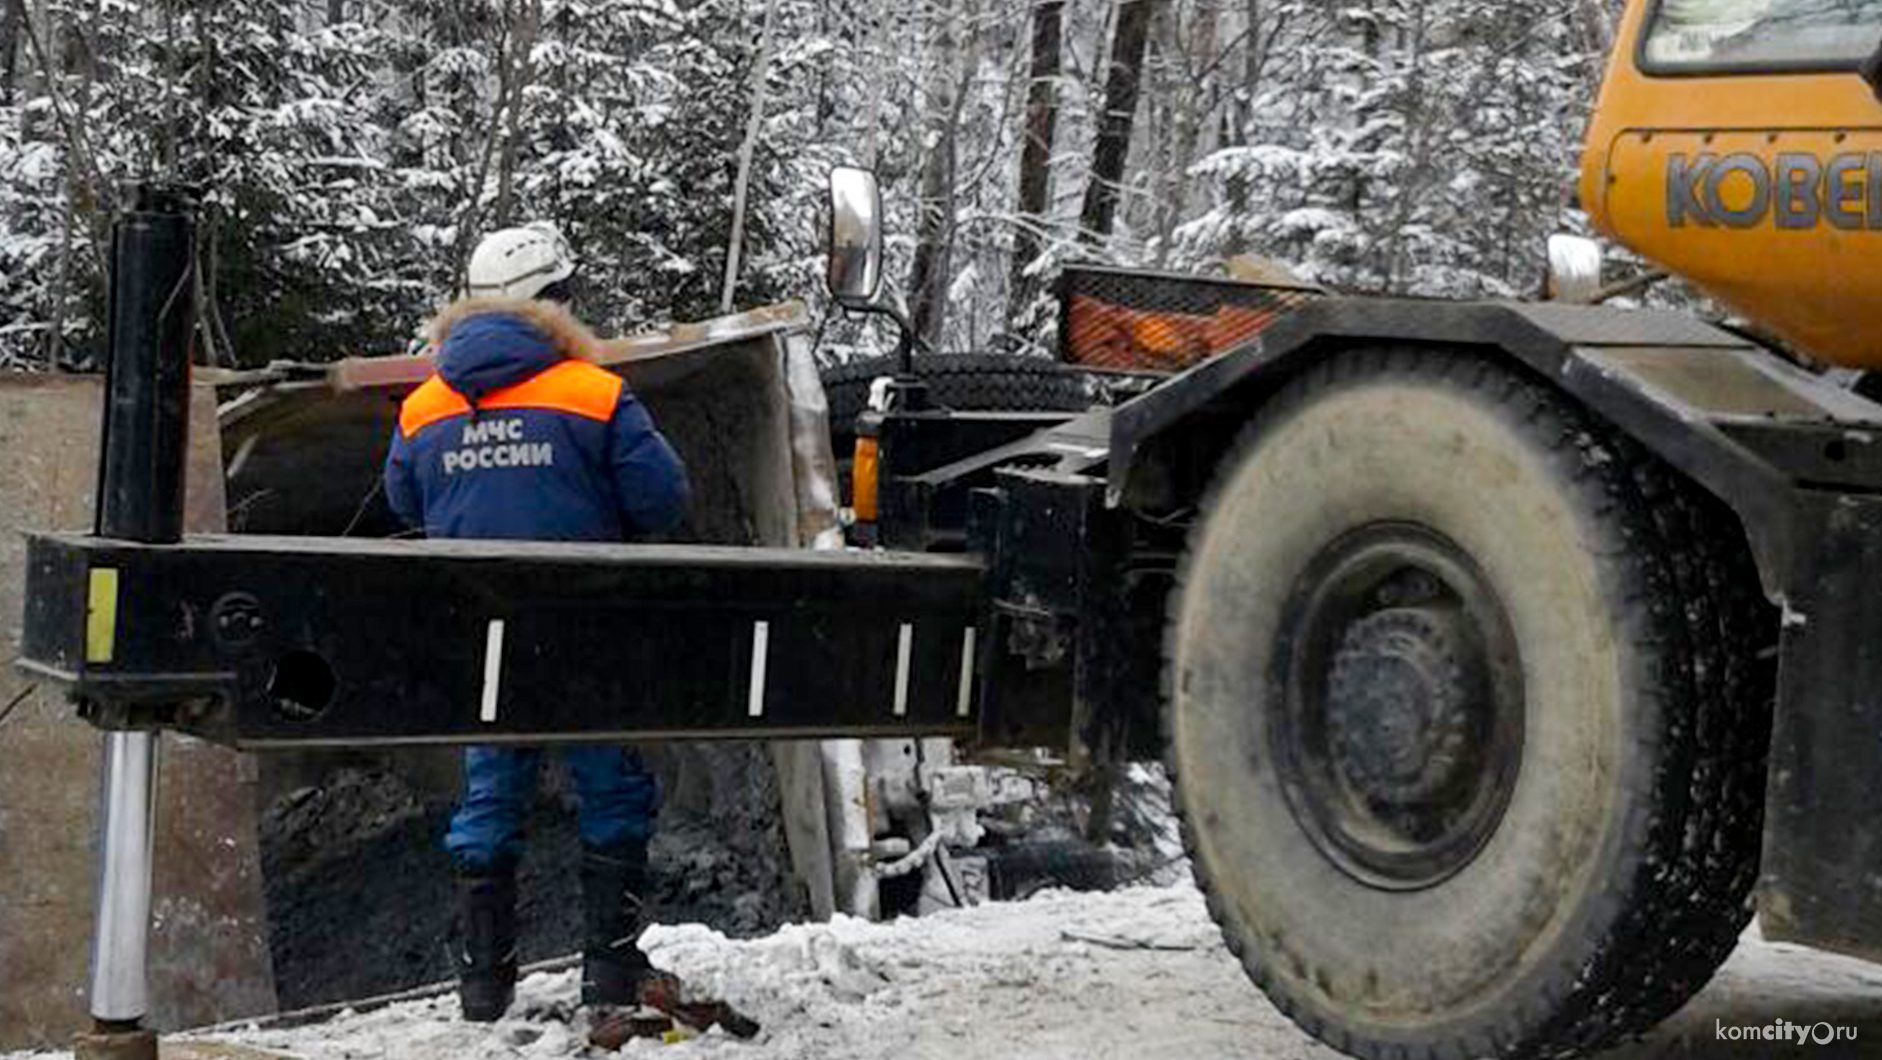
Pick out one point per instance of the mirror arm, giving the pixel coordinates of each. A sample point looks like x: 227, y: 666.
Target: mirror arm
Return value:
x: 891, y: 305
x: 888, y: 302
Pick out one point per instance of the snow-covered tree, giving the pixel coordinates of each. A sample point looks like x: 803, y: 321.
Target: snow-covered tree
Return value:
x: 351, y: 151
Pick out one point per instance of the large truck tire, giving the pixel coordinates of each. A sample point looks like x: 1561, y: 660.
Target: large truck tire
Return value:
x: 1468, y: 701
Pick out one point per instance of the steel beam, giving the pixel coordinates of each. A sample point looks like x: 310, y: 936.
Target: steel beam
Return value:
x: 258, y: 642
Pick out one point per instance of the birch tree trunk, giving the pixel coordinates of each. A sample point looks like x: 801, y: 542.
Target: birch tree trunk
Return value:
x: 879, y: 37
x: 1418, y: 122
x: 1035, y: 163
x: 10, y: 16
x: 1161, y: 127
x: 62, y: 285
x: 1597, y: 22
x: 1123, y: 83
x: 525, y: 24
x: 470, y: 217
x: 1236, y: 126
x: 929, y: 280
x: 45, y: 40
x: 754, y: 125
x: 1192, y: 107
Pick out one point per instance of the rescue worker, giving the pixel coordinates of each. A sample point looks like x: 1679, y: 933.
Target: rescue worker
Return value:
x: 518, y: 436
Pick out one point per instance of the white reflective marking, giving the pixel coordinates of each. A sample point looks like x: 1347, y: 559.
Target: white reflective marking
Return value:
x: 904, y: 646
x: 964, y: 701
x: 493, y: 669
x: 760, y: 655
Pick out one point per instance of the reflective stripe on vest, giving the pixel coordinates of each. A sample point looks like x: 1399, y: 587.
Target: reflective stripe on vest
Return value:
x: 575, y: 387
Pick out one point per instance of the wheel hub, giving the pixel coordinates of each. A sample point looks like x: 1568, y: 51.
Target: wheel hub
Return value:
x: 1402, y: 735
x: 1399, y: 704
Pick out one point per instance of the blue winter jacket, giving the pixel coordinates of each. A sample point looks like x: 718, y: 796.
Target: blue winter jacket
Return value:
x: 517, y: 437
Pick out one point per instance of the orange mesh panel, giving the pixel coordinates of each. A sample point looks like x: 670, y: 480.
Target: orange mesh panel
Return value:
x: 1141, y: 321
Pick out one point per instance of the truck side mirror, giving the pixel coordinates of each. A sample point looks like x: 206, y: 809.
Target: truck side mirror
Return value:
x: 1574, y: 269
x: 1872, y: 71
x: 855, y: 237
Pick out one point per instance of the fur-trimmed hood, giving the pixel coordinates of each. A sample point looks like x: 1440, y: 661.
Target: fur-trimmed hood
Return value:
x: 486, y: 344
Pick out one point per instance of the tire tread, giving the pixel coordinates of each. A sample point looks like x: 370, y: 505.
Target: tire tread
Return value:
x: 978, y: 382
x: 1692, y: 836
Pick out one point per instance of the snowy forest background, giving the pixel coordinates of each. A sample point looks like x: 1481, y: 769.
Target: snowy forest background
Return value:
x: 352, y: 150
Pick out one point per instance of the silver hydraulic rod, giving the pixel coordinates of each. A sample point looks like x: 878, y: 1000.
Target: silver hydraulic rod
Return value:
x: 120, y: 990
x: 141, y: 472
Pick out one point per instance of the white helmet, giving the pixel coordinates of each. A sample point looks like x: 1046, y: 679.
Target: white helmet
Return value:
x: 520, y: 262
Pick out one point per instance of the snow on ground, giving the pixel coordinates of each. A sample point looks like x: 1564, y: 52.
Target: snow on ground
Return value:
x: 1074, y: 976
x: 1132, y: 974
x: 1135, y: 973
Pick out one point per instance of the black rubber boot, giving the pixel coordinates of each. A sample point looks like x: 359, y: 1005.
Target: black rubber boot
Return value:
x: 614, y: 880
x: 486, y: 949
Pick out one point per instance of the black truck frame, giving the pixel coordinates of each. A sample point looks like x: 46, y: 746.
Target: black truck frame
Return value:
x: 1021, y: 601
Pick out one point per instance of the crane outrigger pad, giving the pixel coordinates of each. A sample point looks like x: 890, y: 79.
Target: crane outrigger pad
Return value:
x: 258, y: 642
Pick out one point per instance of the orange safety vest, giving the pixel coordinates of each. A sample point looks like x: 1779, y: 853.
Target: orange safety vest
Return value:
x: 575, y: 387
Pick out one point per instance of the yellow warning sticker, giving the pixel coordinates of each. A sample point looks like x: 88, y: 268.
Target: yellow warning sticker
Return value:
x: 101, y: 616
